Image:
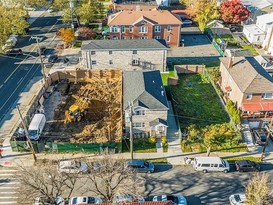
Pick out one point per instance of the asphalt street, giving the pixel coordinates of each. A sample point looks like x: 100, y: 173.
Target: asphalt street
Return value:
x: 16, y: 72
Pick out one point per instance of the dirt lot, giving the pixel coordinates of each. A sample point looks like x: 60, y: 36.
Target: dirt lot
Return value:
x: 102, y: 118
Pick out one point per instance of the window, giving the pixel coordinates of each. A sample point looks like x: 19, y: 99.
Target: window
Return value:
x: 122, y: 29
x: 94, y: 62
x: 140, y: 112
x: 110, y: 62
x: 142, y: 29
x: 135, y: 62
x: 131, y: 29
x: 138, y: 124
x: 110, y: 52
x: 267, y: 95
x: 93, y: 52
x: 114, y: 29
x: 249, y: 96
x: 143, y: 37
x: 157, y: 28
x: 168, y: 39
x: 134, y: 51
x: 169, y: 28
x: 157, y: 37
x: 258, y: 39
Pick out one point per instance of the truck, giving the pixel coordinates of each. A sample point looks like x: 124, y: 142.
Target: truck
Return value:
x: 11, y: 42
x: 36, y: 126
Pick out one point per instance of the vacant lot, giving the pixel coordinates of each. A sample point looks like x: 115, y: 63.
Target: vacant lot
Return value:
x: 196, y: 102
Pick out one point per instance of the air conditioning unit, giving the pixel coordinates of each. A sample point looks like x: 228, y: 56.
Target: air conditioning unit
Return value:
x: 135, y: 62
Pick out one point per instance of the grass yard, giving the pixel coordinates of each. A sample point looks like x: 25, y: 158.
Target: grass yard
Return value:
x: 196, y: 102
x: 251, y: 49
x: 140, y: 146
x: 250, y: 158
x: 166, y: 75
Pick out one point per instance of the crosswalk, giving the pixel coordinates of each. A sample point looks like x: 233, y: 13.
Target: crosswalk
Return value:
x: 8, y: 186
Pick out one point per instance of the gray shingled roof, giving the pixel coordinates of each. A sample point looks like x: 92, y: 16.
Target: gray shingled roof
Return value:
x: 158, y: 121
x: 249, y: 75
x: 130, y: 44
x: 145, y: 89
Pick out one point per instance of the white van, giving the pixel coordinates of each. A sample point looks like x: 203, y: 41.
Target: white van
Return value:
x: 206, y: 164
x: 36, y: 126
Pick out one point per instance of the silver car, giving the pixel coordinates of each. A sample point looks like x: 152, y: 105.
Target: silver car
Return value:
x: 72, y: 166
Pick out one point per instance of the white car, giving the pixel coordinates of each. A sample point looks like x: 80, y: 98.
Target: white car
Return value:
x: 187, y: 22
x: 123, y: 198
x: 72, y: 166
x: 46, y: 201
x: 237, y: 199
x: 85, y: 200
x: 177, y: 200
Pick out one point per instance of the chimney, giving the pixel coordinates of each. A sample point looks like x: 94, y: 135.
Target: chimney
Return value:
x: 230, y: 62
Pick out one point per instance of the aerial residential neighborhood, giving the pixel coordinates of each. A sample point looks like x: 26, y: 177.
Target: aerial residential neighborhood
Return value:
x: 136, y: 102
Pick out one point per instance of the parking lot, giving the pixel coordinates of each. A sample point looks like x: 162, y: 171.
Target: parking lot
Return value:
x: 194, y: 46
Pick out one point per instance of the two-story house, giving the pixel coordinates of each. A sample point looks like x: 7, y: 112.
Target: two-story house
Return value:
x: 261, y: 33
x: 155, y: 24
x: 145, y: 91
x: 133, y: 54
x: 247, y: 84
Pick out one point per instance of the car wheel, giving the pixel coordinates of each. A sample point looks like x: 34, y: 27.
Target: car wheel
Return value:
x: 205, y: 171
x: 226, y: 171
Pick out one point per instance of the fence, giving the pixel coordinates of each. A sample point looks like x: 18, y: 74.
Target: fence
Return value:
x: 209, y: 34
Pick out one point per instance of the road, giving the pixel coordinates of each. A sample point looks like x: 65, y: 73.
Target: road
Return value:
x: 16, y: 72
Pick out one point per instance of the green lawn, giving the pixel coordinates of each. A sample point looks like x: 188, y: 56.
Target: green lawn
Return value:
x: 251, y: 49
x: 140, y: 146
x: 197, y: 102
x: 233, y: 159
x: 165, y: 76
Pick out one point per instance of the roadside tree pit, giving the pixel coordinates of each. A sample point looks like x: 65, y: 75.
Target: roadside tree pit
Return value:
x: 85, y: 108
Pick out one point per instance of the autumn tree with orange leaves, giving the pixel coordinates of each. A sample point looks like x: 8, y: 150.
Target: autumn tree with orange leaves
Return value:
x: 67, y: 35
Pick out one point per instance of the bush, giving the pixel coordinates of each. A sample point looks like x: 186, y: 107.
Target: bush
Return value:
x: 185, y: 147
x: 164, y: 142
x: 234, y: 113
x: 152, y: 139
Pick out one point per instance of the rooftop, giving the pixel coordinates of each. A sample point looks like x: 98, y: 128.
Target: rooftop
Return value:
x: 125, y: 44
x: 162, y: 17
x: 266, y: 18
x: 253, y: 29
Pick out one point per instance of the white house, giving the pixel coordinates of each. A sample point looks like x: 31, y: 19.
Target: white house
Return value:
x: 261, y: 33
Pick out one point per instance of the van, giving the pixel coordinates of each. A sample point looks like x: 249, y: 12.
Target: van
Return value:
x: 206, y: 164
x: 36, y: 126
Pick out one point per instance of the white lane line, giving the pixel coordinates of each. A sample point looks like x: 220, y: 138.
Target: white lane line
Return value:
x: 10, y: 192
x: 9, y: 170
x: 9, y: 197
x: 8, y: 202
x: 1, y: 85
x: 6, y: 174
x: 9, y: 187
x: 20, y: 81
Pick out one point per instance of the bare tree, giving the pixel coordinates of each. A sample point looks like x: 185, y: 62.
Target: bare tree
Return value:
x: 109, y: 177
x: 257, y: 191
x: 45, y: 181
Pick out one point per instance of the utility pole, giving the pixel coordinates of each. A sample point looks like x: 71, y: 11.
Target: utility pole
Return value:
x: 131, y: 130
x: 27, y: 135
x: 40, y: 55
x: 269, y: 130
x: 71, y: 5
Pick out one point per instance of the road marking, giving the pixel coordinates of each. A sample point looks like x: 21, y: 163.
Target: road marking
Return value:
x: 1, y: 183
x: 1, y: 85
x: 9, y: 187
x: 9, y: 170
x: 9, y: 197
x: 8, y: 202
x: 9, y: 192
x: 7, y: 174
x: 20, y: 81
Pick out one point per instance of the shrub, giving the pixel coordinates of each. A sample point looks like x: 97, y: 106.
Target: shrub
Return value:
x: 185, y: 147
x: 152, y: 139
x: 234, y: 113
x: 164, y: 140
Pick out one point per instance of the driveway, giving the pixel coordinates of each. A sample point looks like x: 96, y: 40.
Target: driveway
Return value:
x: 194, y: 46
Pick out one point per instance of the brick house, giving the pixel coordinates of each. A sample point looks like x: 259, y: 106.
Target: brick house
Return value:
x: 155, y: 24
x: 144, y: 89
x: 133, y: 54
x: 248, y: 85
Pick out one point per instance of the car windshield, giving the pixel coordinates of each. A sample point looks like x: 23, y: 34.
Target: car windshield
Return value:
x: 146, y: 164
x: 167, y: 198
x: 91, y: 200
x: 237, y: 198
x: 32, y: 132
x: 77, y: 164
x: 223, y: 162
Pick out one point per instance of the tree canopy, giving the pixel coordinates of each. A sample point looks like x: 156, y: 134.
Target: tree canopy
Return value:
x: 233, y: 11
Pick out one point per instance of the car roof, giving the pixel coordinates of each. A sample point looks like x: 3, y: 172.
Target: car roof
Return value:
x: 209, y: 160
x: 136, y: 162
x: 67, y: 163
x: 243, y: 162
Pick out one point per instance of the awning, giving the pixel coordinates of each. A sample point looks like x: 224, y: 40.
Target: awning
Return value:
x: 257, y: 107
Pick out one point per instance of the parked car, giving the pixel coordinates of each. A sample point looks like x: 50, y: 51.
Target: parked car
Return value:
x: 85, y: 200
x: 237, y: 199
x: 72, y: 166
x: 177, y: 200
x: 206, y: 164
x: 14, y: 52
x: 42, y: 49
x: 11, y: 42
x: 187, y: 22
x: 52, y: 58
x: 47, y: 201
x: 122, y: 198
x: 260, y: 137
x: 141, y: 165
x: 246, y: 166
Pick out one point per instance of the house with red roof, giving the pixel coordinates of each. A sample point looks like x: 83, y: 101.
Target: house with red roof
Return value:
x: 248, y: 85
x: 154, y: 24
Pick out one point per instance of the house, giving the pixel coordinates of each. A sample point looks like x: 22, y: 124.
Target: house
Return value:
x: 266, y: 63
x: 132, y: 54
x: 247, y: 84
x: 135, y: 7
x: 145, y: 91
x: 261, y: 33
x: 155, y: 24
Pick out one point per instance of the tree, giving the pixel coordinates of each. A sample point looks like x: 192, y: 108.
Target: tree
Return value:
x: 202, y: 11
x: 112, y: 176
x: 233, y: 11
x: 85, y: 33
x: 257, y: 190
x: 67, y: 35
x: 45, y: 181
x: 90, y: 11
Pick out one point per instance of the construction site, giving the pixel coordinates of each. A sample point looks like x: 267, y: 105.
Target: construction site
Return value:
x: 85, y: 107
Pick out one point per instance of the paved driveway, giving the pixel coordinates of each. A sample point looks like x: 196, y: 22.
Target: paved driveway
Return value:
x: 194, y: 46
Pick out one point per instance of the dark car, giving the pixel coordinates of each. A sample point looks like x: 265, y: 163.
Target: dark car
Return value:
x: 260, y: 137
x: 246, y: 166
x: 42, y: 49
x: 52, y: 58
x: 141, y: 165
x: 14, y: 52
